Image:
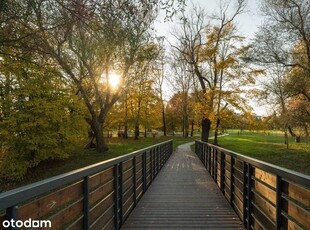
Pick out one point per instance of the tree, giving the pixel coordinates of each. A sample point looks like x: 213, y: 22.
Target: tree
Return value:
x: 140, y: 88
x: 274, y: 93
x: 284, y: 40
x: 175, y: 113
x: 85, y: 40
x: 193, y: 40
x: 287, y: 23
x: 43, y: 120
x: 159, y: 81
x: 182, y: 82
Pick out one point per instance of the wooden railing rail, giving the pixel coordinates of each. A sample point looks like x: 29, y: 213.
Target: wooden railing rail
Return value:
x: 100, y: 196
x: 263, y: 195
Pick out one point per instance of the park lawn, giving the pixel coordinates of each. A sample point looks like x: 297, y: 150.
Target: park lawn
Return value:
x: 82, y: 158
x: 270, y: 148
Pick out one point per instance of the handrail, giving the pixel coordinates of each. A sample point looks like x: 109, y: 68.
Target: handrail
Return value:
x: 144, y: 159
x: 283, y: 172
x: 263, y: 195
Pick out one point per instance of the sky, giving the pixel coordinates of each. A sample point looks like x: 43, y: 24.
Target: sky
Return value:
x: 247, y: 23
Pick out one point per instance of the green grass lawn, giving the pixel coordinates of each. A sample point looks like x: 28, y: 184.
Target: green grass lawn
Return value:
x: 82, y: 158
x: 270, y: 148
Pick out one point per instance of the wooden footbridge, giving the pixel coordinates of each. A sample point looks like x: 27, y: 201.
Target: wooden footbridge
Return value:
x: 154, y: 188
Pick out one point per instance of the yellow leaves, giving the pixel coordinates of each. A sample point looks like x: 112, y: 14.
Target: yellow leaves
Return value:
x: 230, y: 61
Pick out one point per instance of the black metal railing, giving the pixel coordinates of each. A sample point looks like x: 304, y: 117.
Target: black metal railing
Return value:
x: 100, y: 196
x: 263, y: 195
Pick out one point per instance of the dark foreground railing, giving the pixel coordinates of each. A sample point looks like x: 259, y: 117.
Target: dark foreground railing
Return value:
x: 264, y: 196
x: 100, y: 196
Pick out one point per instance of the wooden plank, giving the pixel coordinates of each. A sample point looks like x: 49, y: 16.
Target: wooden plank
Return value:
x: 238, y: 183
x: 238, y: 206
x: 51, y: 202
x: 109, y: 225
x: 127, y: 164
x: 101, y: 178
x: 127, y: 174
x: 265, y: 191
x: 238, y: 174
x: 65, y: 216
x: 127, y: 185
x: 101, y: 192
x: 76, y: 225
x: 259, y: 215
x: 299, y: 214
x: 257, y: 225
x: 265, y: 206
x: 127, y: 207
x: 103, y: 219
x: 238, y: 164
x: 184, y: 196
x: 227, y: 158
x: 101, y: 207
x: 138, y: 166
x: 265, y: 177
x: 128, y: 193
x: 238, y: 193
x: 299, y: 194
x: 293, y: 226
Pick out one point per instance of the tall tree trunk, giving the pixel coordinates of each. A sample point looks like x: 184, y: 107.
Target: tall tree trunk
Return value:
x: 192, y: 129
x: 164, y: 120
x: 205, y: 129
x: 297, y: 138
x: 126, y: 118
x: 186, y: 126
x: 126, y: 130
x: 97, y: 128
x: 216, y: 131
x: 306, y: 130
x: 286, y: 139
x: 137, y: 131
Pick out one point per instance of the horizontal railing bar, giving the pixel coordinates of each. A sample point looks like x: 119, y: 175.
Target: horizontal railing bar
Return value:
x: 19, y: 195
x: 286, y: 174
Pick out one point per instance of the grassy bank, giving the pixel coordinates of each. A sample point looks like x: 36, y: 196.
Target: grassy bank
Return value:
x: 270, y: 147
x: 82, y: 158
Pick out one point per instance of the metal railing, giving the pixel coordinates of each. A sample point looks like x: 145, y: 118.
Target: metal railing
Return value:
x: 263, y: 195
x: 100, y: 196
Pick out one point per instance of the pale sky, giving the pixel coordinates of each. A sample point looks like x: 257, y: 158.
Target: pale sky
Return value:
x: 247, y: 22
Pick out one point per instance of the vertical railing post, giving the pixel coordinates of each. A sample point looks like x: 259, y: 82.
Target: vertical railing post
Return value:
x: 157, y: 160
x: 215, y: 165
x: 161, y: 156
x: 232, y: 160
x: 144, y: 171
x: 116, y: 197
x: 244, y: 181
x: 86, y: 203
x: 222, y: 172
x: 278, y: 202
x: 121, y: 193
x: 249, y: 201
x: 12, y: 214
x: 134, y: 181
x: 204, y: 154
x: 152, y: 174
x: 209, y: 159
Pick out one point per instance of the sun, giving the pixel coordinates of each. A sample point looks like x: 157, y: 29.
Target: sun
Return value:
x: 114, y: 80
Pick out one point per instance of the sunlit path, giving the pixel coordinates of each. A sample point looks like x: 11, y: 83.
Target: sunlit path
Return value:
x: 183, y: 196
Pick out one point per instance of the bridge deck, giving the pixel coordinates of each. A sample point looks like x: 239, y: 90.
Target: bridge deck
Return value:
x: 183, y: 196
